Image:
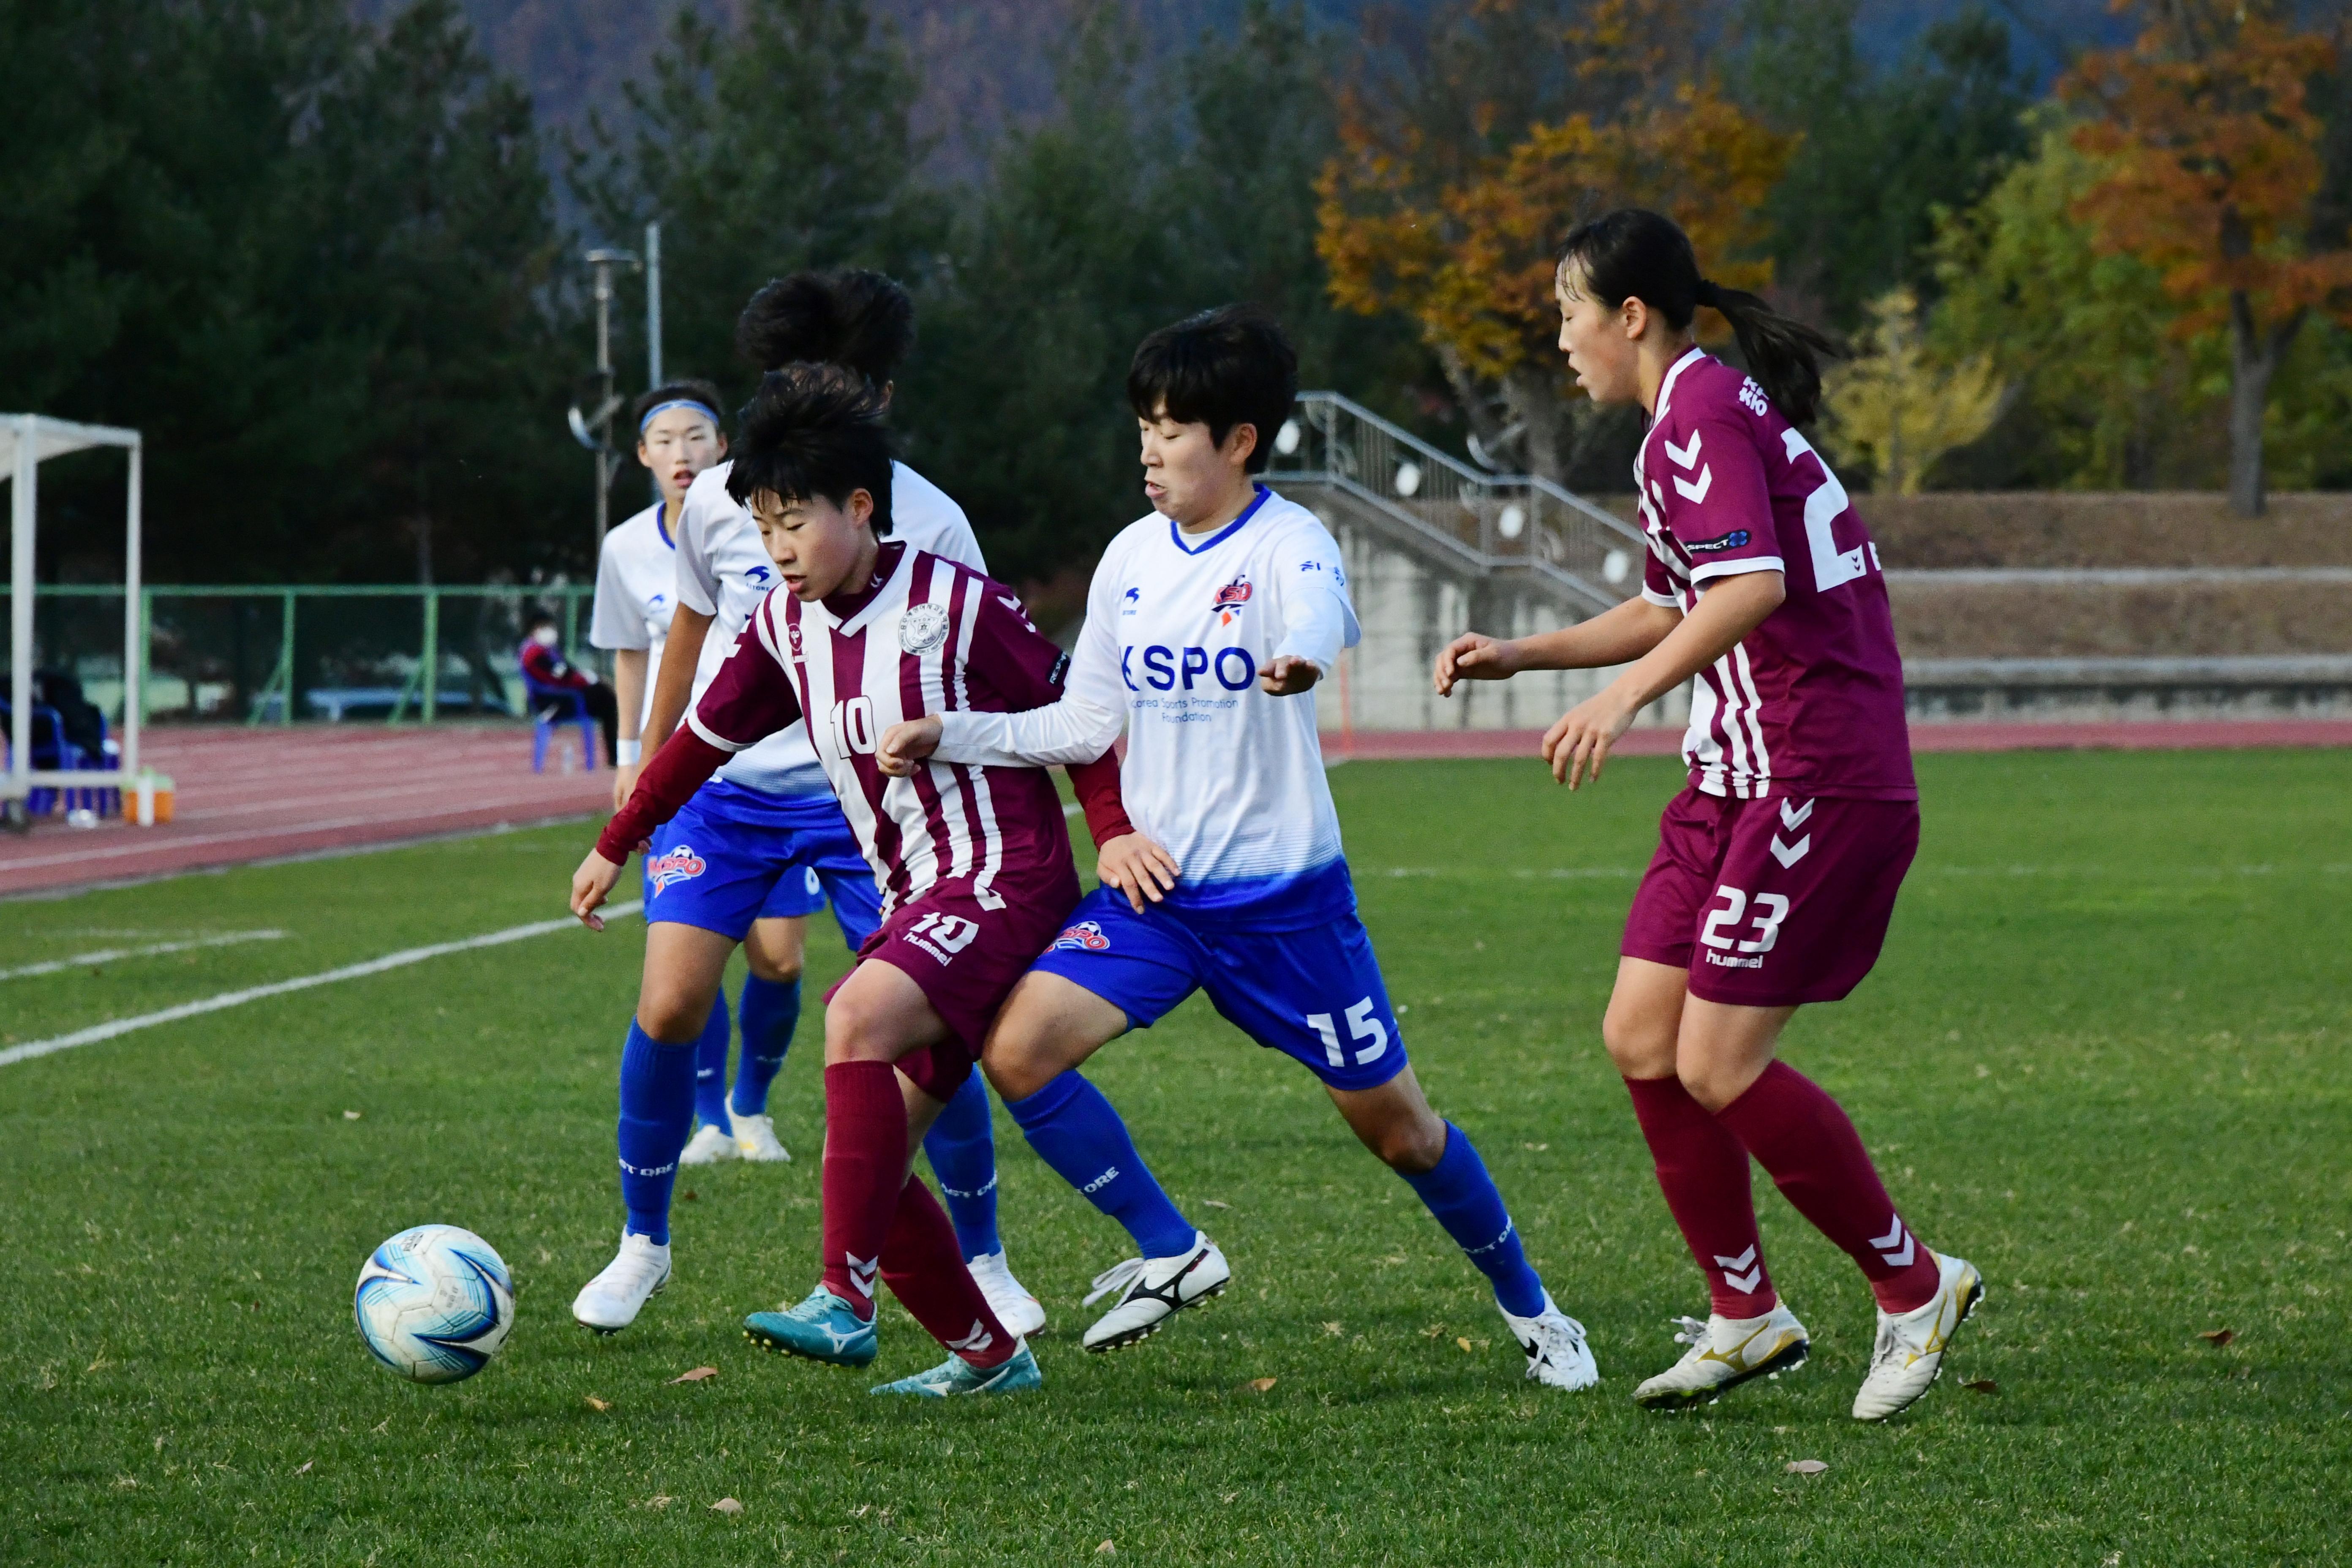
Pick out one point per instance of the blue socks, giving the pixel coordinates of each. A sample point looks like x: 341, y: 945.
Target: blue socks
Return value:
x: 1462, y: 1195
x: 962, y: 1150
x: 769, y: 1009
x: 656, y: 1113
x: 1073, y: 1129
x: 710, y: 1067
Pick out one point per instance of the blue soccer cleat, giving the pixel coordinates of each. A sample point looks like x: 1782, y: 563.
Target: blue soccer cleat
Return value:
x: 823, y: 1328
x: 956, y: 1375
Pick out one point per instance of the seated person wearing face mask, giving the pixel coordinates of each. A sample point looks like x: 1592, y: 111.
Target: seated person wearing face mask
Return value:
x: 543, y: 665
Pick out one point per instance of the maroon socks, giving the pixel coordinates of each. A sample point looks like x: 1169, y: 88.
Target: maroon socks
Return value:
x: 925, y: 1270
x: 865, y: 1167
x: 1799, y: 1135
x: 1703, y: 1171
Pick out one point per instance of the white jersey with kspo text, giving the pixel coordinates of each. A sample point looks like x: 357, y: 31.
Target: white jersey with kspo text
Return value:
x: 1227, y: 777
x: 723, y: 571
x: 636, y: 575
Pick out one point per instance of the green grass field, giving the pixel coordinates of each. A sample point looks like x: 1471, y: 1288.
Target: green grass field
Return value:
x: 2103, y: 1056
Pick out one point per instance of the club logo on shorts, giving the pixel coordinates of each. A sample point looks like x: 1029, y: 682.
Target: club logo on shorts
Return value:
x: 1086, y: 936
x: 922, y: 628
x: 679, y: 865
x: 1231, y: 598
x: 1732, y: 541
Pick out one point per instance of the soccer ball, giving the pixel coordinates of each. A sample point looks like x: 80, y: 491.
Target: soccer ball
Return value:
x: 434, y: 1303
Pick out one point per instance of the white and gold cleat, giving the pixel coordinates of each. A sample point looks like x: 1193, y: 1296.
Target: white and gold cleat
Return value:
x: 1724, y: 1353
x: 709, y: 1145
x: 756, y: 1140
x: 1909, y: 1353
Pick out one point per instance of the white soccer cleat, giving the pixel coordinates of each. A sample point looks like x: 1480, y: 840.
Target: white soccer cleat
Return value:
x: 756, y: 1140
x: 1153, y: 1290
x: 1021, y: 1313
x: 1724, y: 1353
x: 1909, y: 1355
x: 1557, y: 1357
x: 611, y: 1301
x: 709, y: 1145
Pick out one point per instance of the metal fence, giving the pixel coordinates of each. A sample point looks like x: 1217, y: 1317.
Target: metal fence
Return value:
x: 274, y: 655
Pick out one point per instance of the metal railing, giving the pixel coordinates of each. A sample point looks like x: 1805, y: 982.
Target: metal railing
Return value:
x: 1483, y: 523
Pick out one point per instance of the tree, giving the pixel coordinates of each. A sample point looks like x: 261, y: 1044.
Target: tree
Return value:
x: 1464, y: 168
x: 1894, y: 409
x: 2214, y: 177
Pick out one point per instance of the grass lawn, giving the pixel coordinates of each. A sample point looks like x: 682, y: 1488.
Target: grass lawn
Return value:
x: 2103, y: 1056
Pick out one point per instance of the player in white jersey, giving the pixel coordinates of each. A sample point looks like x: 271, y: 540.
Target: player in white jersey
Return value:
x: 764, y: 845
x: 1207, y: 624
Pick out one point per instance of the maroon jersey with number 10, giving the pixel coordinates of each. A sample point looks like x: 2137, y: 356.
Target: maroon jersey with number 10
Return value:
x: 1811, y: 702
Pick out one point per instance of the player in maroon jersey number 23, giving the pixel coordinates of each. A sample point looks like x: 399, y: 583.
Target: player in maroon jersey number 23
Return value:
x: 973, y: 862
x: 1777, y: 868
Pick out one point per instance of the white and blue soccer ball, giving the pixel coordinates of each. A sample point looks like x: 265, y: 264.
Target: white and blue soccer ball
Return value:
x: 434, y: 1303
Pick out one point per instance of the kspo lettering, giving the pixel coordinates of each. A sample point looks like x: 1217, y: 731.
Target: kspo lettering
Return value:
x: 1164, y: 669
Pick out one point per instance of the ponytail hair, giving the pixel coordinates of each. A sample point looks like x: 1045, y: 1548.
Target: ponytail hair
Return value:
x: 1635, y: 254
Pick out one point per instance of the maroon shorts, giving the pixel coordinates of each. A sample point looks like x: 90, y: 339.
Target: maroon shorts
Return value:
x: 965, y: 958
x: 1772, y: 902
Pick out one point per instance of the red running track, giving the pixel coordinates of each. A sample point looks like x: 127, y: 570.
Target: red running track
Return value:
x: 262, y: 794
x: 254, y: 794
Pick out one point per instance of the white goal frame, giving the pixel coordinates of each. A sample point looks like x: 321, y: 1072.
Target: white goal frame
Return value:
x: 27, y: 441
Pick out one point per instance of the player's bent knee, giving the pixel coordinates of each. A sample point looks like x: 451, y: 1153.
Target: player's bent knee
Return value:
x: 671, y: 1018
x: 773, y: 974
x: 1712, y: 1087
x: 1637, y: 1046
x: 1410, y: 1149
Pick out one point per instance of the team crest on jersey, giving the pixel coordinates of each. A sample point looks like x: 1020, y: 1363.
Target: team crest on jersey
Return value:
x: 1732, y: 541
x: 923, y: 628
x: 680, y: 865
x: 1086, y: 936
x: 1231, y: 598
x: 792, y: 631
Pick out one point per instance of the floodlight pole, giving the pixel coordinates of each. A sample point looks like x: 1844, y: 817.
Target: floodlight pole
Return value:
x: 20, y: 596
x: 604, y: 261
x: 653, y: 325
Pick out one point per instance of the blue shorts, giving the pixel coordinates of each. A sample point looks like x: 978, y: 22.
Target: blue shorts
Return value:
x: 732, y: 856
x: 1314, y: 994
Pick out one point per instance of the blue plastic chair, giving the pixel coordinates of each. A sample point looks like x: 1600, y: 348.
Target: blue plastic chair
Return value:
x: 52, y: 752
x: 542, y: 700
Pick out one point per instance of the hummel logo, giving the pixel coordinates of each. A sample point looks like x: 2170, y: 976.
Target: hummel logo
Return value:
x: 1685, y: 457
x: 1731, y: 1267
x: 1789, y: 854
x: 1886, y: 1246
x: 1794, y: 819
x: 861, y: 1272
x: 979, y: 1340
x: 1696, y: 493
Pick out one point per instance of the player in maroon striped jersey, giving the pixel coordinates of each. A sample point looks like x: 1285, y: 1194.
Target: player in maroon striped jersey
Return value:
x: 1777, y: 868
x: 974, y: 862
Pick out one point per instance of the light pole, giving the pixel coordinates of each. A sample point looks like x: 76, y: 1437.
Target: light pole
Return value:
x: 653, y: 324
x: 594, y: 430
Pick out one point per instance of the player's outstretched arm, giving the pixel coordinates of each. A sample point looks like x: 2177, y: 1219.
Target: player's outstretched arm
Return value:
x: 1618, y: 635
x: 1729, y: 609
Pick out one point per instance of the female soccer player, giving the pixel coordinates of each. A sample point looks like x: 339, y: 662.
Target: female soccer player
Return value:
x: 764, y: 845
x: 636, y: 575
x: 1777, y: 868
x: 975, y: 862
x: 1208, y: 623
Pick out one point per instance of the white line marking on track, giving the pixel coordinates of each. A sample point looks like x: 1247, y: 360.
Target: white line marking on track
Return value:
x: 108, y: 955
x: 400, y: 960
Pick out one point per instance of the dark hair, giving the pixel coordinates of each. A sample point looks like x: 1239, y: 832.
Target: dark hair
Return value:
x: 686, y: 391
x: 813, y: 430
x: 855, y: 317
x: 536, y: 617
x: 1633, y: 254
x: 1232, y: 365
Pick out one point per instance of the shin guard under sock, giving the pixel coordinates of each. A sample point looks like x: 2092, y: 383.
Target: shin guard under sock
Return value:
x: 1073, y: 1129
x: 769, y: 1010
x: 924, y: 1269
x: 656, y: 1113
x: 710, y: 1067
x: 961, y: 1147
x: 1805, y: 1141
x: 1703, y: 1172
x: 1463, y: 1197
x: 865, y: 1167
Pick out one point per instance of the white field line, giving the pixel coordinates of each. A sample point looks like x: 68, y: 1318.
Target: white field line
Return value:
x: 108, y: 955
x: 400, y: 960
x: 288, y: 830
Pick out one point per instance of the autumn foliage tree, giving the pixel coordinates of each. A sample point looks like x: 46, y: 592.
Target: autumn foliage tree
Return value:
x: 1464, y: 166
x: 2214, y: 172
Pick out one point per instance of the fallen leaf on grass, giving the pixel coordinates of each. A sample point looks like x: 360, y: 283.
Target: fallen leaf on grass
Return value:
x: 2218, y: 1337
x: 727, y: 1505
x: 1335, y: 1329
x: 660, y: 1499
x: 696, y: 1374
x: 1206, y: 1203
x: 1806, y: 1466
x: 599, y: 1405
x: 1463, y: 1340
x: 351, y: 1116
x: 1106, y: 1548
x: 1259, y: 1384
x: 306, y: 1467
x: 1981, y: 1385
x: 689, y: 1195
